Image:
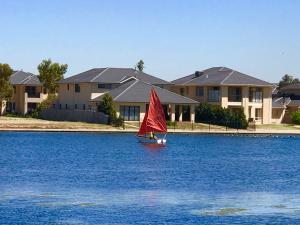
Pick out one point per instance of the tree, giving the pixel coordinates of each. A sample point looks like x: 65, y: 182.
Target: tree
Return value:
x: 50, y: 73
x: 107, y: 106
x: 287, y: 79
x: 140, y: 65
x: 296, y: 118
x: 6, y: 89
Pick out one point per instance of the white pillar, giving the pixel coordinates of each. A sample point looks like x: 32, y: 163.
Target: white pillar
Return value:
x: 192, y: 111
x: 180, y: 113
x: 172, y: 112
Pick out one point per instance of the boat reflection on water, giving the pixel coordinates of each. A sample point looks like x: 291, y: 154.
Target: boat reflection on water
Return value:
x: 152, y: 146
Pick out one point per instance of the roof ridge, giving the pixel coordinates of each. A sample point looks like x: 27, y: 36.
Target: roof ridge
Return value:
x: 99, y: 74
x: 26, y: 77
x: 32, y: 76
x: 125, y: 90
x: 169, y: 91
x: 18, y: 71
x: 229, y: 75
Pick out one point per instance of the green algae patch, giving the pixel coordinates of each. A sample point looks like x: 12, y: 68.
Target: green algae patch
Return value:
x: 86, y: 204
x: 220, y: 212
x: 280, y: 206
x: 229, y: 211
x: 44, y: 195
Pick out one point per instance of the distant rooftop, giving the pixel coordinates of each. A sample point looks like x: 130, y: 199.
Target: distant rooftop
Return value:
x: 112, y: 75
x: 220, y: 76
x: 291, y: 86
x: 20, y: 77
x: 139, y: 91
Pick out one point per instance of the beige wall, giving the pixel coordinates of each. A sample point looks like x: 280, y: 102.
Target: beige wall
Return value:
x: 21, y: 99
x: 249, y: 107
x: 88, y: 91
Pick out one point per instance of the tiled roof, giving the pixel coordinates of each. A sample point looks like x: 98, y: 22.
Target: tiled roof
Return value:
x: 112, y: 75
x: 139, y: 91
x: 280, y: 102
x: 294, y: 103
x: 220, y: 76
x: 20, y: 77
x: 291, y: 86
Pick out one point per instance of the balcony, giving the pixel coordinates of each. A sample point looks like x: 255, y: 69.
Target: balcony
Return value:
x: 214, y: 94
x: 235, y: 98
x: 34, y: 97
x: 234, y: 94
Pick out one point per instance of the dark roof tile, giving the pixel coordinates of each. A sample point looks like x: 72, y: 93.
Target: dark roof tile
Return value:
x: 220, y: 76
x: 138, y: 91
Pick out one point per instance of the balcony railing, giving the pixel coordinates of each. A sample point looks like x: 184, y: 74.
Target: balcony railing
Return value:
x: 33, y: 95
x: 234, y: 98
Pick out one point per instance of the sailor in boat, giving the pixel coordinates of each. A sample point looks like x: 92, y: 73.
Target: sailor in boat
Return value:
x: 152, y: 136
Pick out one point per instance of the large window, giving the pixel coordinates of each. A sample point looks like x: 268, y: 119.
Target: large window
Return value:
x: 199, y: 91
x: 31, y: 91
x: 234, y: 94
x: 258, y: 114
x: 77, y: 88
x: 130, y: 113
x: 255, y: 95
x: 214, y: 94
x: 104, y: 86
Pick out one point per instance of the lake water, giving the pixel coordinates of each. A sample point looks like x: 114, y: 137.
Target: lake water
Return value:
x: 93, y: 178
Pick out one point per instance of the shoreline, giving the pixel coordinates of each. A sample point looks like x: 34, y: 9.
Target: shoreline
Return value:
x: 171, y: 131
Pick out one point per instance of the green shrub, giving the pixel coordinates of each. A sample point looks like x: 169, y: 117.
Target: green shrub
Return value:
x: 220, y: 116
x: 117, y: 121
x: 296, y: 118
x: 107, y: 106
x: 171, y: 123
x: 36, y: 113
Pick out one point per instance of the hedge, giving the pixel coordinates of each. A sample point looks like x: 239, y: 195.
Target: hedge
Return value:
x: 217, y: 115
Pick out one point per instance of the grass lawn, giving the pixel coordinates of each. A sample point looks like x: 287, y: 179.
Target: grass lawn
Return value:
x: 31, y: 123
x: 278, y: 127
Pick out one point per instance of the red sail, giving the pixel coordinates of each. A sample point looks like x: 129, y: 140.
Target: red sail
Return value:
x: 154, y: 120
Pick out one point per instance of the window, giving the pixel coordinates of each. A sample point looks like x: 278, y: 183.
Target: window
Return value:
x: 68, y: 87
x: 234, y: 94
x: 199, y: 91
x: 104, y: 86
x: 214, y: 94
x: 130, y: 113
x: 77, y: 88
x: 31, y: 91
x: 15, y: 90
x: 160, y: 85
x: 66, y: 106
x: 53, y: 106
x: 258, y: 114
x: 75, y: 106
x: 181, y: 91
x: 14, y: 106
x: 255, y: 95
x: 83, y: 107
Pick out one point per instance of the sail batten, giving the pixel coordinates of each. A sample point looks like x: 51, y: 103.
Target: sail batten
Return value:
x: 154, y: 119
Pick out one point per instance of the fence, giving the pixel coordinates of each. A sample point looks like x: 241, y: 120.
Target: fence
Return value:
x: 74, y: 115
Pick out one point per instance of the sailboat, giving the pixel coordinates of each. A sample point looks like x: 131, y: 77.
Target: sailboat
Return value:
x: 154, y: 122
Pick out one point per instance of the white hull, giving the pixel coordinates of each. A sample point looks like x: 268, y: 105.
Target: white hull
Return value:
x: 160, y: 141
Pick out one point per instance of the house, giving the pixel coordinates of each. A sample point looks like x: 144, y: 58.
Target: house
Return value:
x: 132, y: 100
x: 28, y: 93
x: 130, y: 90
x: 292, y: 91
x: 230, y: 89
x: 76, y: 92
x: 291, y: 95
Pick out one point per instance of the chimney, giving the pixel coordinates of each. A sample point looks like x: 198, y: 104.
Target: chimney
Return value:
x: 198, y: 73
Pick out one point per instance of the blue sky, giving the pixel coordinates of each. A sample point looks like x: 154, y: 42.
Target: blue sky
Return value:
x: 174, y: 38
